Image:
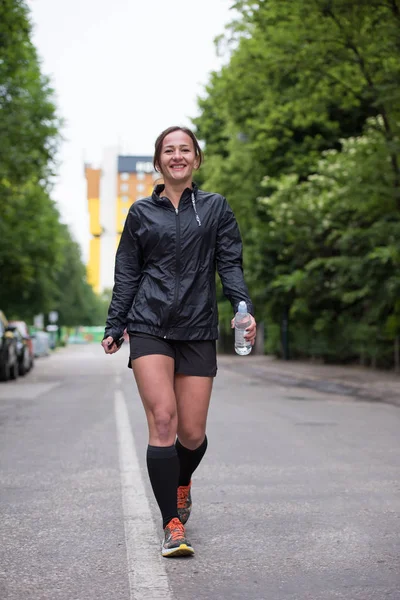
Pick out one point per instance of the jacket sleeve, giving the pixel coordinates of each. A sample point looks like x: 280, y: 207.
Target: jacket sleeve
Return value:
x: 127, y: 274
x: 229, y: 253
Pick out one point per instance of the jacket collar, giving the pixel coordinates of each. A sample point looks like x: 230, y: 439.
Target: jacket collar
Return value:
x: 186, y: 194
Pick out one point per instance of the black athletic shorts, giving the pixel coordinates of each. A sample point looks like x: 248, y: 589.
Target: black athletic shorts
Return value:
x: 191, y: 358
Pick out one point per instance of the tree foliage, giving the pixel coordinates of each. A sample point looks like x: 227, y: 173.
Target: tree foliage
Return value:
x: 40, y: 264
x: 301, y: 132
x: 333, y: 243
x: 28, y: 123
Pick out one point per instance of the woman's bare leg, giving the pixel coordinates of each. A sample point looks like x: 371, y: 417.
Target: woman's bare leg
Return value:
x: 154, y: 376
x: 192, y: 400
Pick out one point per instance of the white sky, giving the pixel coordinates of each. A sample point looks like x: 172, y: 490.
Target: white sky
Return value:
x: 122, y: 70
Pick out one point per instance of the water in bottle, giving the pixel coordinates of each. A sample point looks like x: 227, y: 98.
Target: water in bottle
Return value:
x: 242, y: 321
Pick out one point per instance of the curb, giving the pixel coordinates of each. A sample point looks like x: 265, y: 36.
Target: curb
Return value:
x: 279, y: 373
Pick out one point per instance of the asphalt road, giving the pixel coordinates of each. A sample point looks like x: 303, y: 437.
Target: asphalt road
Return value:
x: 297, y: 498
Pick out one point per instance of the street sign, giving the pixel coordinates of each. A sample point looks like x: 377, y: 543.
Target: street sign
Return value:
x: 38, y: 321
x: 53, y: 316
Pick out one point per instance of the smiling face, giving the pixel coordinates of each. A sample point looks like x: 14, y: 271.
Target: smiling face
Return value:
x: 178, y: 158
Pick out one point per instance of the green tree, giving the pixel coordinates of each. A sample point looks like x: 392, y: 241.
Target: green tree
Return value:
x: 303, y: 77
x: 40, y: 264
x: 29, y: 125
x: 332, y: 253
x: 29, y: 247
x: 74, y: 299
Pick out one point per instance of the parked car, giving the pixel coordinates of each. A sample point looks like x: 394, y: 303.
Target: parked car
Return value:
x: 24, y: 359
x: 41, y: 343
x: 24, y: 331
x: 8, y: 352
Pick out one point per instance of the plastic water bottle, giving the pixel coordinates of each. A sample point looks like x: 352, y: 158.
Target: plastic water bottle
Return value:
x: 242, y: 321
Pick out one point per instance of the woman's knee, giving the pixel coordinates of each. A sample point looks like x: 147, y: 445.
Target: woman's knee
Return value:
x: 191, y: 438
x: 163, y: 423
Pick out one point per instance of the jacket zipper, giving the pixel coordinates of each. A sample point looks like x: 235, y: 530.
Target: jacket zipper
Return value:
x: 178, y: 258
x: 177, y: 262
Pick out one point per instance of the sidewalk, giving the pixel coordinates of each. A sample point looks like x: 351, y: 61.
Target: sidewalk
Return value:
x: 362, y: 383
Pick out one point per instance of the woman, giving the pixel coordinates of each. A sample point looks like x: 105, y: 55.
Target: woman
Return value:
x: 164, y: 293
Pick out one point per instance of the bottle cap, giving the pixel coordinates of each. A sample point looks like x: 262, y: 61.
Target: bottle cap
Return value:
x: 242, y: 308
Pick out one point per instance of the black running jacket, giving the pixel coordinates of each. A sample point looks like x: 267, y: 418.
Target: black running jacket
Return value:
x: 165, y: 267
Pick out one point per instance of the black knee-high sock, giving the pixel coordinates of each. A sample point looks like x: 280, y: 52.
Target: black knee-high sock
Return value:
x: 189, y: 460
x: 163, y: 468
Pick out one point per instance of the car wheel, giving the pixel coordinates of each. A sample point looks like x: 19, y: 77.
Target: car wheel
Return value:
x: 14, y: 372
x: 5, y: 373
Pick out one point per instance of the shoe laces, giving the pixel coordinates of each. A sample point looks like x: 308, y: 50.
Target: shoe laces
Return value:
x: 183, y: 493
x: 176, y: 529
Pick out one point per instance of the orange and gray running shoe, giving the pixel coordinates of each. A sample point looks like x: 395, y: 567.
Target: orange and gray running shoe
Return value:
x: 175, y: 542
x: 184, y: 502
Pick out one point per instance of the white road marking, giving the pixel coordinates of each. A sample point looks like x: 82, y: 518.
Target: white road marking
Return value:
x: 147, y: 576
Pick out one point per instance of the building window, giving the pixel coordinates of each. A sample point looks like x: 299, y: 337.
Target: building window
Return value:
x: 124, y: 176
x: 140, y: 176
x: 147, y: 167
x: 140, y: 187
x: 124, y: 187
x: 125, y: 198
x: 124, y: 211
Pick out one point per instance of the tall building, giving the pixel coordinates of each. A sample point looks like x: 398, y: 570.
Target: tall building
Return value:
x: 111, y: 190
x: 93, y: 197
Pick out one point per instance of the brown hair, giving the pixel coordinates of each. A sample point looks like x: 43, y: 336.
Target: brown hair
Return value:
x: 163, y: 135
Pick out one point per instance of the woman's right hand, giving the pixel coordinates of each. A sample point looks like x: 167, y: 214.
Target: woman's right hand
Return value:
x: 110, y: 347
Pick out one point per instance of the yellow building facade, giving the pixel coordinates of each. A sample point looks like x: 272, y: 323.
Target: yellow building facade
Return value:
x: 136, y: 180
x: 93, y: 198
x: 111, y: 190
